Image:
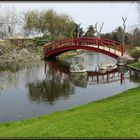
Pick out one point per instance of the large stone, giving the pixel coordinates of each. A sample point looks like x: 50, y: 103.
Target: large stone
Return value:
x: 79, y: 63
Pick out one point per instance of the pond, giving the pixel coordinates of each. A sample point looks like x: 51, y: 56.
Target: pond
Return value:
x: 31, y: 90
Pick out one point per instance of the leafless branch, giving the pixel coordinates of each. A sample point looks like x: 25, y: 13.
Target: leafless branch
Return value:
x: 96, y: 28
x: 124, y: 26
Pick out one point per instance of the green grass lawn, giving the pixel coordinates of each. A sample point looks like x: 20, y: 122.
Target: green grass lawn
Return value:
x: 68, y: 54
x: 117, y: 116
x: 136, y: 64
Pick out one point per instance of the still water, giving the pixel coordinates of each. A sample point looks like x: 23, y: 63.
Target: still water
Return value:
x: 47, y: 86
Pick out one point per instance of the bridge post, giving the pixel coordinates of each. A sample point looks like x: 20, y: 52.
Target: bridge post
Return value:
x: 107, y: 76
x: 97, y: 79
x: 115, y: 50
x: 122, y: 78
x: 45, y: 67
x: 122, y: 50
x: 130, y: 75
x: 44, y: 51
x: 97, y: 42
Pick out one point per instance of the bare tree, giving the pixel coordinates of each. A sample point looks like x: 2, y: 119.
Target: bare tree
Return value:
x: 138, y: 6
x: 78, y: 29
x: 124, y: 27
x: 8, y: 22
x: 98, y: 31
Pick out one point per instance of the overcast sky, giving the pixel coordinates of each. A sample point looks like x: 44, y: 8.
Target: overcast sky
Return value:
x: 86, y: 13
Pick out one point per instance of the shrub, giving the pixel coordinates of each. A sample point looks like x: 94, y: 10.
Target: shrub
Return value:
x: 136, y: 54
x: 39, y: 41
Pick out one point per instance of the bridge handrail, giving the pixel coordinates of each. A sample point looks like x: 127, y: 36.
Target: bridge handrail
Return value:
x: 63, y: 40
x: 105, y: 39
x: 88, y: 38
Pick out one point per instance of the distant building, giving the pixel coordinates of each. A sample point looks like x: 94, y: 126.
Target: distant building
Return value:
x: 18, y: 37
x: 19, y: 40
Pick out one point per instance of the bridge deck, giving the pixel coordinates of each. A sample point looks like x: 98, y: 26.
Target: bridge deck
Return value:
x: 112, y: 51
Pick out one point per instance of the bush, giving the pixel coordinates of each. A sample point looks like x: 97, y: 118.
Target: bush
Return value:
x: 39, y: 41
x: 136, y: 54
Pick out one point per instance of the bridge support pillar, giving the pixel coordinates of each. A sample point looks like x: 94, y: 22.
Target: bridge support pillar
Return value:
x: 122, y: 51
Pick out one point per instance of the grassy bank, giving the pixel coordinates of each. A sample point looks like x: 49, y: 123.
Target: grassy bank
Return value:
x: 67, y: 55
x: 117, y: 116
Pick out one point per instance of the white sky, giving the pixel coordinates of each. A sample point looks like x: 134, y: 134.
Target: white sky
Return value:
x: 86, y: 13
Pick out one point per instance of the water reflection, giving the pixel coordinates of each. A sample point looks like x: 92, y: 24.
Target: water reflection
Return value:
x: 122, y: 69
x: 7, y: 71
x: 54, y: 86
x: 79, y: 79
x: 10, y: 66
x: 94, y: 77
x: 135, y: 77
x: 59, y: 82
x: 13, y: 74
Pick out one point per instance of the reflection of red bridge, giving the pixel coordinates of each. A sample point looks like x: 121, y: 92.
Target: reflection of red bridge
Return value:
x: 101, y: 45
x: 94, y: 77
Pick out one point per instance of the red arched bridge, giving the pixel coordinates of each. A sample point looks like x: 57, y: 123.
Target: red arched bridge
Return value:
x: 105, y: 46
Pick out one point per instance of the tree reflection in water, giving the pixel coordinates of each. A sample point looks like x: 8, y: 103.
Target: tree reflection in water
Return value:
x: 79, y: 79
x: 59, y: 83
x: 10, y: 73
x: 54, y: 86
x: 135, y: 77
